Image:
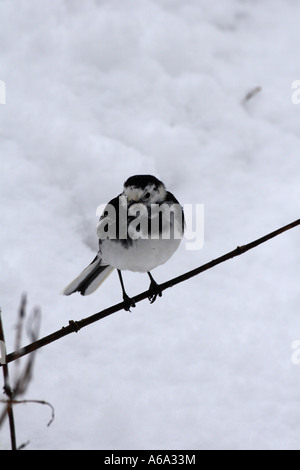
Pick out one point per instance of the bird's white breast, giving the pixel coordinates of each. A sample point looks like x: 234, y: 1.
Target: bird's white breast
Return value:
x: 142, y: 255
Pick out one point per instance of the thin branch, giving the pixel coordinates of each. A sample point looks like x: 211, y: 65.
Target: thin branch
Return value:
x: 9, y: 392
x: 39, y: 402
x: 19, y: 331
x: 23, y: 378
x: 75, y: 326
x: 251, y: 94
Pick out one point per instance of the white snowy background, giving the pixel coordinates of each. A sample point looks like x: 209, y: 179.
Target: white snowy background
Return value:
x: 97, y: 91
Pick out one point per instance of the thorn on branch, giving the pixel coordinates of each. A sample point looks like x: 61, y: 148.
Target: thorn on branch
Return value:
x: 74, y: 326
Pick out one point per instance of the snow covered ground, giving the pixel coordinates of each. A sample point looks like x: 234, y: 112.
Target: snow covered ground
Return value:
x: 100, y: 90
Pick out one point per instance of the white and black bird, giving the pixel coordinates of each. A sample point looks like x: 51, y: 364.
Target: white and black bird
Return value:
x: 139, y: 230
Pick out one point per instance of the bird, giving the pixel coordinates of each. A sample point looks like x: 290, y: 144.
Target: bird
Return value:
x: 138, y: 230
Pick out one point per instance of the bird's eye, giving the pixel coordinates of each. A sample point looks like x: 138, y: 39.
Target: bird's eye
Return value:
x: 147, y: 195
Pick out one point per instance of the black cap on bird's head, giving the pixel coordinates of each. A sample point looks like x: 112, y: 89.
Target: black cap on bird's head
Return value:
x: 144, y: 188
x: 141, y: 181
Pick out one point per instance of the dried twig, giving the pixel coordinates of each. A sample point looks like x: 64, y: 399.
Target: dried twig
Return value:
x: 251, y: 94
x: 39, y: 402
x: 8, y: 391
x: 75, y: 326
x: 22, y: 377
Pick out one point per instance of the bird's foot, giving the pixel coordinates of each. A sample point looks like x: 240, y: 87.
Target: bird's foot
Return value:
x: 154, y: 291
x: 128, y: 303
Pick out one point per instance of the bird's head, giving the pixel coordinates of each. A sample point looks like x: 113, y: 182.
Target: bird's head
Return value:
x: 144, y: 189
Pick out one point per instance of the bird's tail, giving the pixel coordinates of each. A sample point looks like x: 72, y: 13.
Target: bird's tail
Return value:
x: 89, y: 279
